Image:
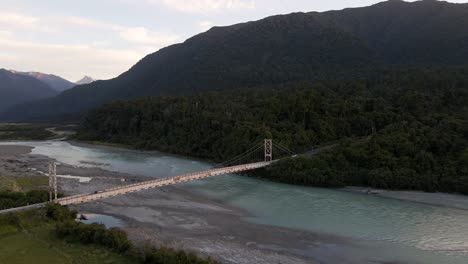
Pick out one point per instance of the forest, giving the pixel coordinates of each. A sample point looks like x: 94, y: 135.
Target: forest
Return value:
x: 400, y: 129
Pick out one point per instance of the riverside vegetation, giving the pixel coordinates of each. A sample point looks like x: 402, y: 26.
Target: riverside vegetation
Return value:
x: 34, y: 131
x: 24, y: 132
x: 114, y: 239
x: 51, y: 234
x: 404, y: 129
x: 35, y: 235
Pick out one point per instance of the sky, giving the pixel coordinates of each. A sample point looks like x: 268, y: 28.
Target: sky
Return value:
x: 104, y: 38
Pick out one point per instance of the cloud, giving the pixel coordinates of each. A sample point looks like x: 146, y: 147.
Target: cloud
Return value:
x: 90, y: 23
x: 133, y: 35
x: 205, y: 6
x: 16, y: 19
x: 142, y: 35
x: 205, y: 25
x: 69, y: 61
x: 136, y: 35
x: 93, y: 55
x: 5, y: 34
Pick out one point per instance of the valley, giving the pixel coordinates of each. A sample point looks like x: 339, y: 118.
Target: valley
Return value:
x: 223, y: 217
x: 234, y: 132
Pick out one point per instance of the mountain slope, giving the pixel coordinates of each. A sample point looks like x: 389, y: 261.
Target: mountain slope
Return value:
x: 55, y: 82
x: 18, y: 88
x: 428, y: 31
x: 272, y: 51
x: 285, y: 49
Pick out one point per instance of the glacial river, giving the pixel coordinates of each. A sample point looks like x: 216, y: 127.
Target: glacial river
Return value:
x: 397, y: 230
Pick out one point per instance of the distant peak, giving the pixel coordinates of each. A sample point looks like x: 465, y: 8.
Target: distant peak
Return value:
x: 85, y: 80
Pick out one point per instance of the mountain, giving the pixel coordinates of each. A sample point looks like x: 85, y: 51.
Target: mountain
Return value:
x: 55, y: 82
x: 85, y: 80
x: 421, y: 32
x: 19, y: 88
x: 281, y: 50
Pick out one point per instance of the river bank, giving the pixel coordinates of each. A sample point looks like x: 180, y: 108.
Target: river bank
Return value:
x: 182, y: 218
x: 176, y: 218
x: 457, y: 201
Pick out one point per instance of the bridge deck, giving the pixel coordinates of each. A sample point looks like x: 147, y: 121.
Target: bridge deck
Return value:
x: 83, y: 198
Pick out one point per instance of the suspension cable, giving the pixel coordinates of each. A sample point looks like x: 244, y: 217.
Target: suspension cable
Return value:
x: 285, y: 149
x: 252, y: 149
x: 245, y: 155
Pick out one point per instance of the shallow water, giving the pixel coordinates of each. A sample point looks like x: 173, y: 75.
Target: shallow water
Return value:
x: 391, y: 229
x: 107, y: 220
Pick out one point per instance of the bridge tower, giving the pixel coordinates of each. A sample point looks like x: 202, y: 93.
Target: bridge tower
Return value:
x: 268, y: 150
x: 52, y: 181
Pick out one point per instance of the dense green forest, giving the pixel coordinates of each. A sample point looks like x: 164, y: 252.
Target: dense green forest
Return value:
x: 405, y: 129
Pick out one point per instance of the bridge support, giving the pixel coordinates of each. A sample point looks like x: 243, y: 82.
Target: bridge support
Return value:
x: 268, y: 150
x: 52, y: 181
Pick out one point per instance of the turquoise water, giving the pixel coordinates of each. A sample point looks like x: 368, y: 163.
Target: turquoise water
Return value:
x: 107, y: 220
x: 396, y: 230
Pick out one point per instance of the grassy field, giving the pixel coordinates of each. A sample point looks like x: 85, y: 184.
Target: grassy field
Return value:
x: 29, y: 237
x: 35, y: 242
x: 25, y: 131
x: 23, y: 184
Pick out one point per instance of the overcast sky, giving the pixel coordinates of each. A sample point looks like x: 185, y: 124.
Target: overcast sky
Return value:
x: 103, y: 38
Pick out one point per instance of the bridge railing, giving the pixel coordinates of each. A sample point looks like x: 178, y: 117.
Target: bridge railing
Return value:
x: 159, y: 183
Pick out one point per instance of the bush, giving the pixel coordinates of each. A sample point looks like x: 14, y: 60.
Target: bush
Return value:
x: 10, y: 199
x: 114, y: 239
x: 59, y: 213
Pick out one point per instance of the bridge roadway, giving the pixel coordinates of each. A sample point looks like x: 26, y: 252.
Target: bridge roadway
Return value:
x: 98, y: 195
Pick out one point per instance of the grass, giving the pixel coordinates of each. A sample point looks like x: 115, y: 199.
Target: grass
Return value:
x: 33, y: 239
x: 8, y: 184
x: 35, y: 242
x: 26, y: 131
x: 26, y: 183
x: 23, y: 183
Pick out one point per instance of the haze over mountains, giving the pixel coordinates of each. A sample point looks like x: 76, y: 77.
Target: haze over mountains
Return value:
x: 280, y: 50
x: 19, y: 88
x: 55, y: 82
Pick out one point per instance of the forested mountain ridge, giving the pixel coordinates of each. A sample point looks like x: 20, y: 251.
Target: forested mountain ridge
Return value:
x: 18, y: 88
x: 425, y: 32
x: 407, y: 129
x: 282, y: 50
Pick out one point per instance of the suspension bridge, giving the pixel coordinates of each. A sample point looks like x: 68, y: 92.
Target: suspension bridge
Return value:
x: 258, y: 156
